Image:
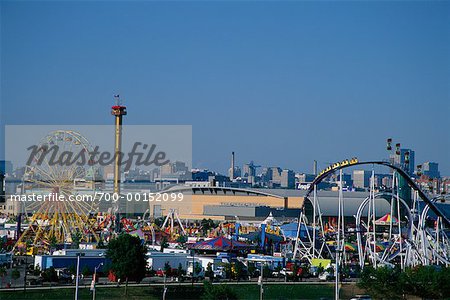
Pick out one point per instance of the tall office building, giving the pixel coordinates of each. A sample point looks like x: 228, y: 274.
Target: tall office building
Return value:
x: 305, y: 178
x: 400, y: 160
x: 287, y: 179
x: 361, y: 178
x: 408, y: 167
x: 249, y: 170
x: 6, y: 167
x: 274, y: 174
x: 231, y: 173
x: 431, y: 169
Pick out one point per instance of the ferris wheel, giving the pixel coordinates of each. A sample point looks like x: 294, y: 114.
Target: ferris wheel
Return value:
x: 62, y: 170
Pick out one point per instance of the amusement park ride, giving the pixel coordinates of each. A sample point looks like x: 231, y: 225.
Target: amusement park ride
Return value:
x: 58, y: 221
x: 404, y: 237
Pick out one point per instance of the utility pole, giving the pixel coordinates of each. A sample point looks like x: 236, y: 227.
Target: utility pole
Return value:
x: 78, y: 276
x: 261, y: 287
x: 94, y: 279
x: 165, y: 287
x: 336, y: 290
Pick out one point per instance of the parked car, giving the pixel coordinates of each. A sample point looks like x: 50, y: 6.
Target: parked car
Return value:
x: 34, y: 280
x: 64, y: 275
x: 326, y: 276
x: 314, y: 271
x: 219, y: 273
x: 286, y: 272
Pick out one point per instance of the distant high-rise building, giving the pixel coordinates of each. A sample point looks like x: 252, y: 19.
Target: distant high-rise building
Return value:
x: 283, y: 178
x: 249, y: 170
x: 237, y: 171
x: 386, y: 181
x: 231, y: 173
x: 108, y: 173
x: 2, y: 187
x: 346, y: 179
x: 274, y: 174
x: 234, y: 171
x: 287, y: 179
x: 6, y: 167
x: 400, y: 160
x: 305, y: 178
x: 431, y: 169
x: 179, y: 167
x: 361, y: 178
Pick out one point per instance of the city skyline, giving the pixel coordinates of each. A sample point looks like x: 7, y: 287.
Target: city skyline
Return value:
x: 224, y: 149
x: 272, y: 89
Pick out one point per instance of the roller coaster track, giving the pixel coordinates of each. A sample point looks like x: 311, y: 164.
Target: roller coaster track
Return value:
x: 410, y: 181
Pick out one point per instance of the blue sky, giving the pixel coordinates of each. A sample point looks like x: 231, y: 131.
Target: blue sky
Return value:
x: 280, y: 83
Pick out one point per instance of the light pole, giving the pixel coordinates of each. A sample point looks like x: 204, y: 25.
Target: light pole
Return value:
x: 94, y: 279
x: 193, y: 267
x: 261, y: 288
x: 165, y: 287
x: 338, y: 251
x: 78, y: 274
x: 25, y: 274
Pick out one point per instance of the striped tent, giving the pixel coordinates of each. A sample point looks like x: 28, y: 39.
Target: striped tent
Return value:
x: 220, y: 244
x: 386, y: 220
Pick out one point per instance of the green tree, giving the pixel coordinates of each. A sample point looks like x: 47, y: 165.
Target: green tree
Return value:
x: 167, y: 268
x: 76, y: 239
x: 206, y: 225
x: 2, y: 243
x: 295, y: 271
x: 182, y: 239
x: 426, y: 282
x: 238, y: 270
x: 164, y: 243
x: 15, y: 274
x: 128, y: 258
x: 159, y: 221
x: 2, y: 274
x: 180, y: 271
x: 218, y: 292
x: 320, y: 269
x: 267, y: 273
x: 49, y: 275
x: 53, y: 242
x: 381, y: 283
x: 101, y: 244
x: 306, y: 270
x: 228, y: 270
x: 37, y: 270
x: 209, y: 272
x: 251, y: 268
x: 86, y: 271
x: 72, y: 269
x: 197, y: 268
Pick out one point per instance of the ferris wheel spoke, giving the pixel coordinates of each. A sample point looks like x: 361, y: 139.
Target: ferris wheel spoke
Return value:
x: 44, y: 175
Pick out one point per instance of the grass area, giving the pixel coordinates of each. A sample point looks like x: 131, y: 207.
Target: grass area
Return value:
x: 281, y: 292
x: 247, y: 292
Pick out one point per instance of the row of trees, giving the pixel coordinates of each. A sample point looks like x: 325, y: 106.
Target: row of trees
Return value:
x: 15, y: 274
x: 430, y: 282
